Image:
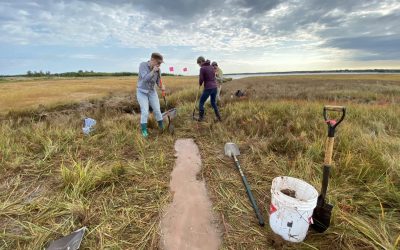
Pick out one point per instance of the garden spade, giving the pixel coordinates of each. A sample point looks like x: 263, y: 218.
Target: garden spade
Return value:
x: 70, y: 242
x: 323, y: 211
x: 194, y: 106
x: 171, y: 126
x: 232, y: 150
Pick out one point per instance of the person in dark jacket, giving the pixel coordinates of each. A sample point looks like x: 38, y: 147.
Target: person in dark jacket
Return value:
x: 207, y: 76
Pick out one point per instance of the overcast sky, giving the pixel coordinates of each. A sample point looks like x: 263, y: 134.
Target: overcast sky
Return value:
x: 241, y: 35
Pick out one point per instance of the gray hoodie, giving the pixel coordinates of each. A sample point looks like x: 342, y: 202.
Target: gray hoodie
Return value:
x: 147, y: 78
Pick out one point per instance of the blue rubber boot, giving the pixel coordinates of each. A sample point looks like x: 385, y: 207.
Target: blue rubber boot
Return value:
x: 144, y: 130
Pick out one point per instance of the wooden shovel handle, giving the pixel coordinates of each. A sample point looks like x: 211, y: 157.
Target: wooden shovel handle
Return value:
x: 329, y: 150
x: 161, y: 85
x: 334, y: 108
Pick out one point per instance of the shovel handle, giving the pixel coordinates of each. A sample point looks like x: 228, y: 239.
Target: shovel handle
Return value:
x: 162, y: 90
x: 325, y: 179
x: 195, y: 102
x: 334, y: 108
x: 332, y: 124
x: 163, y: 93
x: 166, y: 105
x: 249, y: 193
x: 329, y: 150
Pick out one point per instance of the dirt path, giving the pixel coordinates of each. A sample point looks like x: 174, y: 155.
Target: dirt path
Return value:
x: 188, y: 221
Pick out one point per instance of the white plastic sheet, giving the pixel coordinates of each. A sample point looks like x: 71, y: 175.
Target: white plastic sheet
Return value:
x: 89, y: 124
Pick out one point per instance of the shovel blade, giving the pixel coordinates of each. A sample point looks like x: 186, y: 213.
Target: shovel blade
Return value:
x: 231, y: 149
x: 172, y: 113
x: 171, y: 128
x: 72, y: 241
x: 322, y: 215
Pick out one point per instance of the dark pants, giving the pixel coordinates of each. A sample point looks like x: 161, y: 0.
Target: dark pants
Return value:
x: 213, y: 94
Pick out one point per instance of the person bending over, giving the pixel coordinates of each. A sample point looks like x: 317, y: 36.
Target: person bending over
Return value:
x: 207, y: 77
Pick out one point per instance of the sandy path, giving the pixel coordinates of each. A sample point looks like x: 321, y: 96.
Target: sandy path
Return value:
x: 188, y: 221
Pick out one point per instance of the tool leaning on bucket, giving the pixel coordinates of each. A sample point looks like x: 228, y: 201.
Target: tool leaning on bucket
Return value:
x: 323, y: 211
x: 232, y: 151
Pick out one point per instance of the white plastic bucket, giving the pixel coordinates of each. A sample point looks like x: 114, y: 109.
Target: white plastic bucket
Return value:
x: 290, y: 217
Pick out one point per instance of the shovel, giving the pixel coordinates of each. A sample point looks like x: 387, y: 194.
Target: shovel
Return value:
x: 70, y: 242
x: 194, y: 107
x: 323, y: 211
x: 232, y: 150
x: 171, y: 126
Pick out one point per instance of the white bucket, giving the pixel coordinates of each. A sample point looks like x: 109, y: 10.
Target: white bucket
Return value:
x: 290, y: 217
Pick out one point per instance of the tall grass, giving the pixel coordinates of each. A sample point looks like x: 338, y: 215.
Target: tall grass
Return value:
x: 54, y: 180
x: 285, y: 138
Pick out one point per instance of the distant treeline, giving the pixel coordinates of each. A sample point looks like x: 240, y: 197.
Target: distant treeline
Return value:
x: 79, y: 73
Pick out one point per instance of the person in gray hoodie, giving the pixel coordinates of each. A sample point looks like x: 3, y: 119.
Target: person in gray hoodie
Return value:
x: 149, y: 77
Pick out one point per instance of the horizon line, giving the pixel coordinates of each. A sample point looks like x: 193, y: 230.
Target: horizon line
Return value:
x: 393, y: 70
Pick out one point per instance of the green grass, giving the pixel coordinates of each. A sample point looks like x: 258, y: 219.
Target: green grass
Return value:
x: 284, y: 138
x: 54, y: 180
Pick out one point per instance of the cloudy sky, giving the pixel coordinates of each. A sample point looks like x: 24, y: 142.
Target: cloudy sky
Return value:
x: 241, y: 35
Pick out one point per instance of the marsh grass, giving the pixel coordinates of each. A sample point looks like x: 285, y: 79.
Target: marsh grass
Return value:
x: 55, y: 180
x: 362, y: 187
x: 27, y: 94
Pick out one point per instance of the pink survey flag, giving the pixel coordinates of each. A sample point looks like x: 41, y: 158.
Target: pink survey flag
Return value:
x: 171, y: 69
x: 184, y: 69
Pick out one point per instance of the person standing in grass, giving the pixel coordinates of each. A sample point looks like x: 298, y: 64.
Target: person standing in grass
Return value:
x: 220, y: 78
x: 207, y: 76
x: 149, y: 77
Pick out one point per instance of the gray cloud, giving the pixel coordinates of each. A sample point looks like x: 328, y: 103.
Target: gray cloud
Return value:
x: 370, y: 47
x: 373, y: 37
x: 257, y: 6
x: 194, y: 9
x: 187, y: 9
x: 368, y: 27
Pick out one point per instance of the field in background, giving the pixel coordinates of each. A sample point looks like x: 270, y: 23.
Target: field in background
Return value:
x: 54, y: 180
x: 372, y: 89
x: 28, y: 93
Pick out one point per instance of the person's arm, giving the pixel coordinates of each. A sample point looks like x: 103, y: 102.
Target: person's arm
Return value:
x: 158, y: 78
x: 159, y: 84
x: 218, y: 75
x: 201, y: 76
x: 145, y: 73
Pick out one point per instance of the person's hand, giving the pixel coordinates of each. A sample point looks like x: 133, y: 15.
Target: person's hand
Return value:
x: 156, y: 68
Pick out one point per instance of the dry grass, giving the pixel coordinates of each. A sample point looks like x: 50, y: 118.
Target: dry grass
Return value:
x: 25, y: 94
x: 373, y: 89
x: 54, y: 180
x: 287, y: 138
